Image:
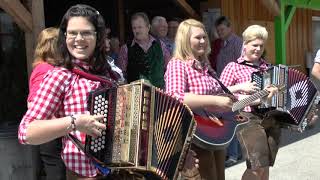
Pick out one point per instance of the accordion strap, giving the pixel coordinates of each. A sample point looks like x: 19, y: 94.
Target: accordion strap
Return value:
x: 214, y: 75
x: 224, y: 88
x: 246, y: 63
x: 107, y: 82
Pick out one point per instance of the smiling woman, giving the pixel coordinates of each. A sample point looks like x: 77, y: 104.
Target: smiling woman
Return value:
x: 188, y: 78
x: 198, y: 42
x: 80, y: 47
x: 63, y: 93
x: 260, y: 137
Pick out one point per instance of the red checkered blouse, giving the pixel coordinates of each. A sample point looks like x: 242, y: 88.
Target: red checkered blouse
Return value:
x: 237, y: 73
x: 63, y: 93
x: 189, y: 77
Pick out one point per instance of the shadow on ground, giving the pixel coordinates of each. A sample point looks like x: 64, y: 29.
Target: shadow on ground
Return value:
x: 288, y: 137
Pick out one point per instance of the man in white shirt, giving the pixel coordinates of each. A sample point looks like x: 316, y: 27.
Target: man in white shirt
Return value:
x: 316, y: 67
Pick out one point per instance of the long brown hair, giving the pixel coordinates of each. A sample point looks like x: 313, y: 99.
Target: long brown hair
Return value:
x: 98, y: 63
x: 46, y: 49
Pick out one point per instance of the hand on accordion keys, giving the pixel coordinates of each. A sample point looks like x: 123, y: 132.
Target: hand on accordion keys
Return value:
x: 90, y: 124
x: 273, y: 90
x: 247, y: 87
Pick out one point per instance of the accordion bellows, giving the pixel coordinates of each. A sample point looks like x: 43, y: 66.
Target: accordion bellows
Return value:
x: 147, y: 131
x: 297, y: 101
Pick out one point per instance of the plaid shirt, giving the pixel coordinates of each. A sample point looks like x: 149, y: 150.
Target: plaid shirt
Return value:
x: 237, y: 73
x: 63, y: 93
x: 189, y: 77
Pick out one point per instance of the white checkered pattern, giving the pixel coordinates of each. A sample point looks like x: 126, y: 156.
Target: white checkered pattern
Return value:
x: 63, y: 93
x: 236, y: 73
x: 183, y: 77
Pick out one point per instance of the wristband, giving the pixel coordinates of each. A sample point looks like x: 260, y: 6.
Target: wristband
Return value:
x: 72, y: 124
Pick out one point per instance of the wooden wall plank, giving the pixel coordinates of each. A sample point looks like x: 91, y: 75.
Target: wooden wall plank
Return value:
x: 19, y: 13
x: 299, y: 35
x: 121, y: 25
x: 38, y: 20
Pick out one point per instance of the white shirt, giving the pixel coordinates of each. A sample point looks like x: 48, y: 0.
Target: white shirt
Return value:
x: 317, y: 58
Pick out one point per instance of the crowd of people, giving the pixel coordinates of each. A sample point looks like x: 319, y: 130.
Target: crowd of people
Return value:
x: 176, y: 56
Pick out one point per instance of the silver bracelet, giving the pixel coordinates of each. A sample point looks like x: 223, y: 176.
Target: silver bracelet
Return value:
x: 72, y: 124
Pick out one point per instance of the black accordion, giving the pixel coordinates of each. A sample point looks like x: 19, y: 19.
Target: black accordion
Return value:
x: 297, y: 101
x: 147, y: 131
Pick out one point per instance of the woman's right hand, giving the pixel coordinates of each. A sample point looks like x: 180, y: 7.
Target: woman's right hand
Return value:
x: 221, y: 104
x: 90, y: 124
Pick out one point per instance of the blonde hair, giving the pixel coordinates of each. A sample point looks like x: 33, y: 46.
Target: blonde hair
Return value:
x: 254, y: 32
x: 46, y: 49
x: 182, y: 41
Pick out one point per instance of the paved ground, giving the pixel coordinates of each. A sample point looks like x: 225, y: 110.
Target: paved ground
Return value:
x: 298, y: 158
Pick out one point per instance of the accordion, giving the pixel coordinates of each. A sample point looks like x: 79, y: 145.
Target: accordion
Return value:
x: 297, y: 102
x: 148, y: 132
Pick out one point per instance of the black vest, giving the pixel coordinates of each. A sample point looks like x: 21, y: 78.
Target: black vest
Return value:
x: 149, y: 65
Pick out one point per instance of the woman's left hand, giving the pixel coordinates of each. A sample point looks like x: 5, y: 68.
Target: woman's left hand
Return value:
x: 248, y: 87
x: 272, y: 91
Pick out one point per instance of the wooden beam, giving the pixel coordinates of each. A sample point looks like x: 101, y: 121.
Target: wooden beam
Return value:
x: 188, y: 9
x: 121, y: 20
x: 19, y: 13
x: 280, y: 35
x: 38, y: 24
x: 309, y: 4
x: 37, y: 10
x: 289, y: 12
x: 272, y: 6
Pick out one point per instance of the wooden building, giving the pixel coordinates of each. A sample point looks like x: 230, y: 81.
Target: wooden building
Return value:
x: 292, y: 26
